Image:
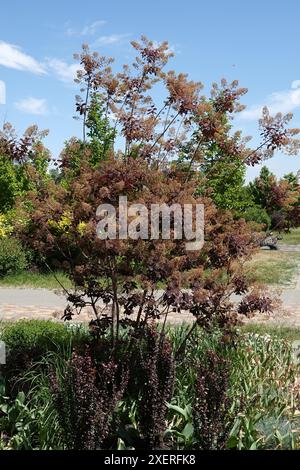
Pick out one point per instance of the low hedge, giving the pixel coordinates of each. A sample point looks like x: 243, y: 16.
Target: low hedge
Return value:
x: 28, y: 341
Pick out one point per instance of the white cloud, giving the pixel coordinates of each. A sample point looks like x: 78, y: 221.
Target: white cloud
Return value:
x: 88, y: 30
x: 32, y: 106
x: 111, y: 39
x: 92, y: 28
x: 2, y: 92
x: 283, y: 101
x: 173, y: 48
x: 13, y: 57
x: 295, y: 84
x: 64, y: 71
x: 70, y: 31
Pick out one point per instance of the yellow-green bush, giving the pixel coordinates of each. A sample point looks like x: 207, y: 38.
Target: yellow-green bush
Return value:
x: 12, y: 256
x: 5, y: 226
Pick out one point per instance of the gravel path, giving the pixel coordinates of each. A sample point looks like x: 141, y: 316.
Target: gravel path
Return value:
x: 17, y: 303
x: 289, y: 248
x: 27, y: 297
x: 21, y: 303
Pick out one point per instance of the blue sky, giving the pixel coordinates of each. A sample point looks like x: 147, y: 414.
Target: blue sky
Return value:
x: 253, y: 41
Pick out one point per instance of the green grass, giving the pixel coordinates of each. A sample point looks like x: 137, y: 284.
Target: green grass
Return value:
x: 275, y: 267
x: 281, y: 332
x: 292, y: 238
x: 36, y: 280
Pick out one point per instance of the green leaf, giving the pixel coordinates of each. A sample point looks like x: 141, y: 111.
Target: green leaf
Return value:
x: 188, y: 431
x: 179, y: 410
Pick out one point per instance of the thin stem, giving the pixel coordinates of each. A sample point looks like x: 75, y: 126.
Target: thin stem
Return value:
x: 86, y: 107
x: 116, y: 303
x: 133, y: 107
x: 183, y: 344
x: 56, y: 278
x: 164, y: 326
x: 164, y: 131
x: 138, y: 318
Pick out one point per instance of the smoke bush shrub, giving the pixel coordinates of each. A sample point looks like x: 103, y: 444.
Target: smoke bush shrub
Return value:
x: 167, y: 147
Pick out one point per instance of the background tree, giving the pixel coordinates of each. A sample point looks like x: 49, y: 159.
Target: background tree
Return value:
x: 23, y: 160
x: 278, y: 197
x: 225, y: 180
x: 262, y: 188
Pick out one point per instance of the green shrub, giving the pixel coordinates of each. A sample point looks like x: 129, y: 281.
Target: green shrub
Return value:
x: 29, y: 341
x: 257, y: 214
x: 42, y: 334
x: 13, y: 257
